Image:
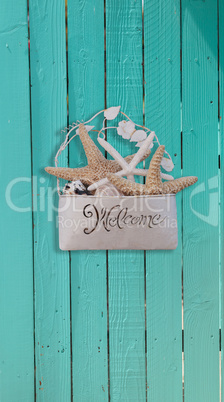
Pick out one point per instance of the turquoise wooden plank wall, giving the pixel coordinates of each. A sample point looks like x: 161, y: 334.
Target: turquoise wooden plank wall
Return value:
x: 119, y: 325
x: 200, y: 239
x: 163, y: 269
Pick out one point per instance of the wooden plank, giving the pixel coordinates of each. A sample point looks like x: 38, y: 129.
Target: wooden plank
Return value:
x: 200, y: 204
x: 221, y: 188
x: 125, y: 268
x: 16, y: 284
x: 49, y: 116
x: 88, y: 268
x: 163, y: 268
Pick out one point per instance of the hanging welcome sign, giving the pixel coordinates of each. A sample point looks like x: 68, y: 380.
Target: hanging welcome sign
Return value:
x: 102, y: 207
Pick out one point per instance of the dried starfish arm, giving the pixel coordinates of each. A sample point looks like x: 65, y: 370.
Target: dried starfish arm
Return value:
x: 115, y: 154
x: 128, y: 170
x: 127, y: 187
x: 115, y: 166
x: 97, y: 168
x: 83, y: 174
x: 129, y: 158
x: 123, y: 172
x: 144, y: 172
x: 154, y: 176
x: 154, y: 183
x: 93, y: 154
x: 174, y: 186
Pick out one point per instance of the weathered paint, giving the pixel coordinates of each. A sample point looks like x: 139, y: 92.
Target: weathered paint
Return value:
x: 51, y: 266
x: 125, y: 268
x: 221, y: 182
x: 163, y: 269
x: 88, y: 268
x: 16, y: 272
x: 200, y: 232
x: 116, y: 320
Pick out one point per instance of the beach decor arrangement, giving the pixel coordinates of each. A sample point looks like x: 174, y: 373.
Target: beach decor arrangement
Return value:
x: 102, y: 207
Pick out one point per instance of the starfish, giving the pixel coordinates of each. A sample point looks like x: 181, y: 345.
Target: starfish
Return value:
x: 128, y: 167
x: 98, y: 166
x: 154, y: 184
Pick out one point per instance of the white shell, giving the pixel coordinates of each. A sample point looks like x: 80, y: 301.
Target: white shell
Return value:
x: 167, y: 164
x: 71, y: 187
x: 139, y: 135
x: 111, y: 112
x: 123, y: 133
x: 107, y: 189
x: 126, y: 128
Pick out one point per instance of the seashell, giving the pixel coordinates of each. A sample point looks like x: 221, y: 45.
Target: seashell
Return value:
x: 139, y: 135
x: 75, y: 187
x: 167, y: 164
x: 107, y: 189
x: 111, y: 112
x: 126, y: 128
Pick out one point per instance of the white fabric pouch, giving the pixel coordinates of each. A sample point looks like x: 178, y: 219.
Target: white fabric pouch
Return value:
x: 117, y: 222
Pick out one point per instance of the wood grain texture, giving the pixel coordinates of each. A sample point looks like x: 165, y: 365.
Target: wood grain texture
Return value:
x: 221, y: 182
x: 49, y: 116
x: 88, y: 268
x: 16, y: 281
x: 125, y: 268
x: 134, y: 376
x: 200, y: 204
x: 163, y: 268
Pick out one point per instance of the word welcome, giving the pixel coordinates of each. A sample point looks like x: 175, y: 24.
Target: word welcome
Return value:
x: 117, y: 217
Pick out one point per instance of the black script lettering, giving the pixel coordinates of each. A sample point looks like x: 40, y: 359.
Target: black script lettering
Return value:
x: 103, y: 213
x: 110, y: 220
x: 156, y: 218
x: 125, y: 219
x: 142, y: 220
x: 120, y: 218
x: 117, y: 217
x: 89, y: 214
x: 150, y: 220
x: 134, y: 220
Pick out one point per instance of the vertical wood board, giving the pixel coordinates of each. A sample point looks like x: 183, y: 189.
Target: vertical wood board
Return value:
x: 88, y: 268
x: 163, y: 268
x: 200, y: 203
x: 16, y: 283
x: 124, y: 86
x: 49, y: 116
x: 221, y: 181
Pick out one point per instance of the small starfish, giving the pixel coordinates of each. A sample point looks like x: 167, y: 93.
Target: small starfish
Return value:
x: 98, y: 166
x: 154, y: 184
x: 128, y: 167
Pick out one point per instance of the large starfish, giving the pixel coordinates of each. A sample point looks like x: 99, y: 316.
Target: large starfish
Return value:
x: 154, y: 184
x: 98, y: 166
